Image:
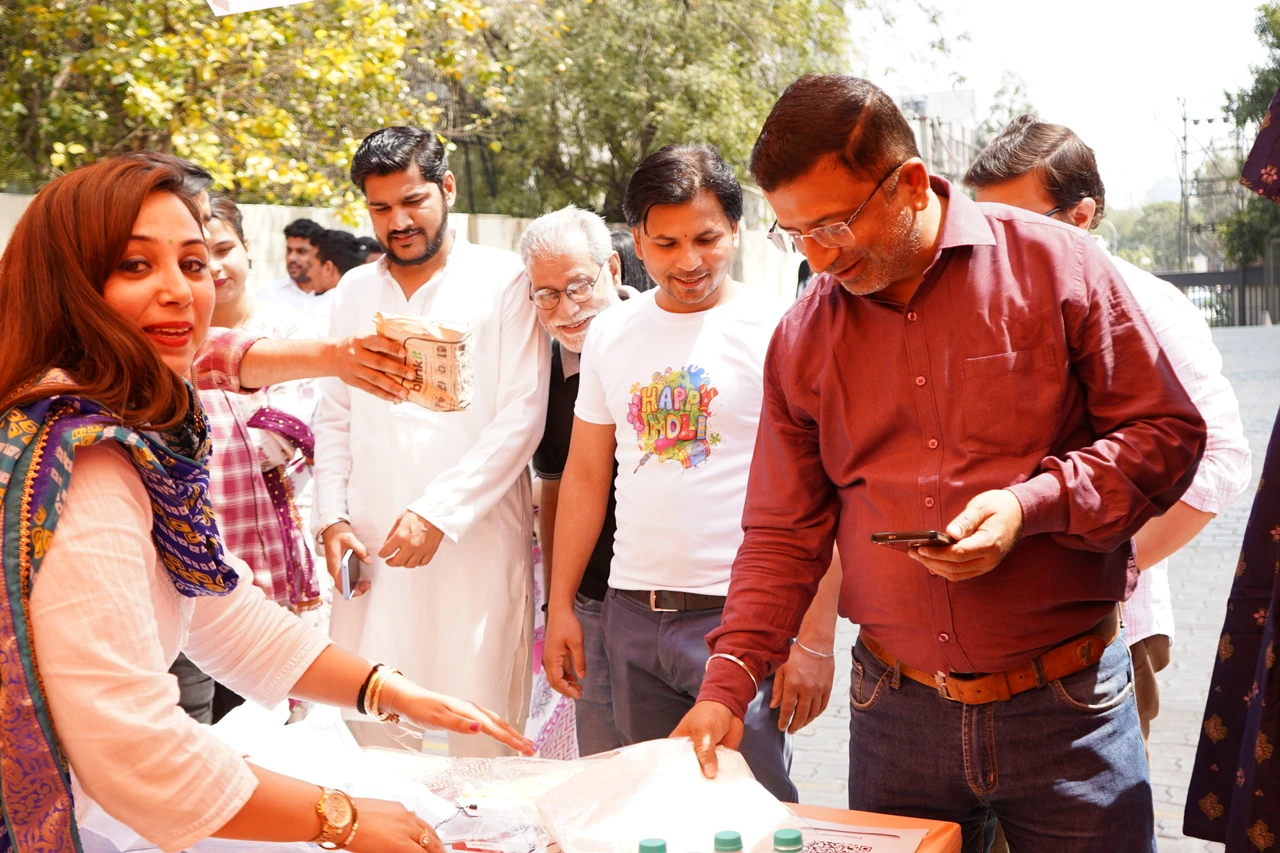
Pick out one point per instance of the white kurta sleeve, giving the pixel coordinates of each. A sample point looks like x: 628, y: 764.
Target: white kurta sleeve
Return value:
x: 254, y: 646
x: 1225, y: 469
x: 94, y: 615
x: 332, y: 430
x: 462, y: 494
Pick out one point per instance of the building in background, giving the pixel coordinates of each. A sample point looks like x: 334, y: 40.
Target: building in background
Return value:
x: 946, y: 128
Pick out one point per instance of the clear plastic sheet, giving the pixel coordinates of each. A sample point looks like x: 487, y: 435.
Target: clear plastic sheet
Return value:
x: 656, y: 790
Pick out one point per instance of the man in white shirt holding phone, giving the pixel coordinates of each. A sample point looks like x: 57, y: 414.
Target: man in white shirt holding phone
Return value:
x: 435, y: 505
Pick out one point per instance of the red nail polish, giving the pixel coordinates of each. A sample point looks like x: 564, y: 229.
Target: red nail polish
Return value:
x: 475, y: 727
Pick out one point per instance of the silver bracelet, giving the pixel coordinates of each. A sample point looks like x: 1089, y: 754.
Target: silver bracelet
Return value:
x: 811, y: 651
x: 739, y: 662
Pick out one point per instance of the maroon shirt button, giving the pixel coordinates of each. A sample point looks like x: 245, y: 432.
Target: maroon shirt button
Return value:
x: 944, y: 637
x: 928, y: 501
x: 919, y: 380
x: 912, y: 316
x: 933, y: 444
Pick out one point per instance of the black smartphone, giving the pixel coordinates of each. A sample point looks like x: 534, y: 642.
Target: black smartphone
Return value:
x: 911, y: 539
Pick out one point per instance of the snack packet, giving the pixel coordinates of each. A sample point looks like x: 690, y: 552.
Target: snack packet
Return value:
x: 439, y: 351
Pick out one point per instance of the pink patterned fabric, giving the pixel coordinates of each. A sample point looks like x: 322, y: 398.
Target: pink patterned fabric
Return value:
x: 217, y: 365
x: 238, y: 491
x: 551, y: 725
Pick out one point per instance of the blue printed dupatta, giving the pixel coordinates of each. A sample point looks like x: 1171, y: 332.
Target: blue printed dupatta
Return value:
x: 38, y: 443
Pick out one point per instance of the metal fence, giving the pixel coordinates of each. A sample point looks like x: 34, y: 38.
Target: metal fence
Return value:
x: 1249, y: 296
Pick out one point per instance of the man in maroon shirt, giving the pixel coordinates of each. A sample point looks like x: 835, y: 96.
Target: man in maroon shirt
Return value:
x: 980, y: 371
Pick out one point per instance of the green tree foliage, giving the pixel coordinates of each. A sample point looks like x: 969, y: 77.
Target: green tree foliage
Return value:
x: 272, y: 103
x: 544, y: 102
x: 1148, y: 238
x: 1245, y: 233
x: 598, y: 85
x: 1011, y: 100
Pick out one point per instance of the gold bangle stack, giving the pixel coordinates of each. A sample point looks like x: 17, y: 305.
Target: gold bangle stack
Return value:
x: 379, y: 681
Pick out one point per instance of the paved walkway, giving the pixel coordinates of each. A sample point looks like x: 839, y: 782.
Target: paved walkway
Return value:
x: 1201, y: 578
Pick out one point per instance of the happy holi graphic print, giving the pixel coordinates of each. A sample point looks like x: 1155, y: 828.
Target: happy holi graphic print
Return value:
x: 671, y: 415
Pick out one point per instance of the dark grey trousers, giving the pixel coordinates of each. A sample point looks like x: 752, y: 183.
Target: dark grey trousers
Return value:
x: 205, y: 700
x: 656, y: 664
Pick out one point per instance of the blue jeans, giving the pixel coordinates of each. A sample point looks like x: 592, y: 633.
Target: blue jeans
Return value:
x: 593, y: 713
x: 657, y: 661
x: 1062, y: 767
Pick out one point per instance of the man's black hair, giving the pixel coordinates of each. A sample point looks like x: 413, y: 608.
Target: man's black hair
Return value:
x: 1065, y: 165
x: 633, y: 272
x: 370, y: 245
x: 675, y: 175
x: 303, y: 229
x: 394, y: 149
x: 831, y: 114
x: 340, y: 247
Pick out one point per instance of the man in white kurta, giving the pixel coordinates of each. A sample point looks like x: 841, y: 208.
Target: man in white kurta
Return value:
x: 460, y: 624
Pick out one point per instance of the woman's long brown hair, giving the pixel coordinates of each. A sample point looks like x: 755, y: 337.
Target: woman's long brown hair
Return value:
x: 52, y: 313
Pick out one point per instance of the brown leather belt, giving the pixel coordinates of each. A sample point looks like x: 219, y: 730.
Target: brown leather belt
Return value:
x: 1068, y: 658
x: 668, y: 601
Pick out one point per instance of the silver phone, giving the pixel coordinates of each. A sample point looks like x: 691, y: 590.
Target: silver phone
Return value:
x: 350, y: 574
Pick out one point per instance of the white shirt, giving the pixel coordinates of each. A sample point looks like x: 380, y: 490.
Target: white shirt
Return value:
x: 285, y: 291
x: 108, y: 623
x: 683, y: 392
x: 1224, y: 471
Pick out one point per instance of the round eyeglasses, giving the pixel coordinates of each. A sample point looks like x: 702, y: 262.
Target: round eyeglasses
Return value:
x: 835, y: 236
x: 547, y: 298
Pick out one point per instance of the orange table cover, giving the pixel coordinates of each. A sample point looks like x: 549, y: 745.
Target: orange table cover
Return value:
x: 942, y: 838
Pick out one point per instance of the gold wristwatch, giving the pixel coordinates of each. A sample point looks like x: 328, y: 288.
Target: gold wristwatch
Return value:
x: 337, y: 814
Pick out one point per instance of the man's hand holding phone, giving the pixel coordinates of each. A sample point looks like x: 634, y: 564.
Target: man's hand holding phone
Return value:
x: 339, y: 540
x: 982, y: 534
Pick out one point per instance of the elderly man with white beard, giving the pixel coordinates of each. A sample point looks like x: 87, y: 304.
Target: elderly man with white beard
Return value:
x: 574, y: 274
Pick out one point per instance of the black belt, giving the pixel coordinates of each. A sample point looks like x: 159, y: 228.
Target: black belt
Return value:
x: 667, y: 601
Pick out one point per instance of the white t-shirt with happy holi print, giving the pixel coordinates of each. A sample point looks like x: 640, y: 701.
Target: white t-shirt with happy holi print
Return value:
x: 683, y: 392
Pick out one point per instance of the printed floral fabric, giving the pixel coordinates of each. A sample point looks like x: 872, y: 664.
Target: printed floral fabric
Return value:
x: 1261, y: 171
x: 38, y: 444
x: 1235, y: 785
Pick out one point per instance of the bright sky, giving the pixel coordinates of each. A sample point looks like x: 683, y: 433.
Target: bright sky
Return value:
x: 1110, y: 71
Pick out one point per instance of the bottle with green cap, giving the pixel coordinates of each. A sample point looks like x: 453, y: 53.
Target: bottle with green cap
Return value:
x: 728, y: 842
x: 787, y: 841
x: 653, y: 845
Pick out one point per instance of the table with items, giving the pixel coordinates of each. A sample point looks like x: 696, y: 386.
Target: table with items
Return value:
x: 647, y: 798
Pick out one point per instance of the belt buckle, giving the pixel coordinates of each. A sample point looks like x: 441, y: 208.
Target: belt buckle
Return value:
x: 940, y: 679
x: 653, y: 603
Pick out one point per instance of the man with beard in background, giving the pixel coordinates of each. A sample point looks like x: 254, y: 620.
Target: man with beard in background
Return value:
x: 297, y: 290
x: 435, y: 506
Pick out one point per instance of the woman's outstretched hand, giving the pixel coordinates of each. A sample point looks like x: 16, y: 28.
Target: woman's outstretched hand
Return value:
x: 437, y: 711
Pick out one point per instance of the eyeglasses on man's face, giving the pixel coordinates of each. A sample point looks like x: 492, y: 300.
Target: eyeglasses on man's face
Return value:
x: 547, y: 298
x: 835, y: 236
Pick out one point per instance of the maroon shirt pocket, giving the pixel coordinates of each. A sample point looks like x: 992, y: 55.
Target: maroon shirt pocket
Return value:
x: 1011, y: 402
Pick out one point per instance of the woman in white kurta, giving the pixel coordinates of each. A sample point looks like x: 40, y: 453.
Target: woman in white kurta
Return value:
x: 461, y: 622
x: 111, y: 558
